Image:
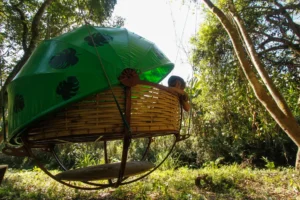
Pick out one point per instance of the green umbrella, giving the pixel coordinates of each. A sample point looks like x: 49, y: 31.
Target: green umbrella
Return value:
x: 70, y: 67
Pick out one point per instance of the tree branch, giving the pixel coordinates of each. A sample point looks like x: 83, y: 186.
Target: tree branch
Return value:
x: 273, y: 49
x: 287, y: 6
x: 30, y: 49
x: 294, y: 47
x: 288, y: 124
x: 288, y: 18
x: 35, y: 25
x: 259, y: 65
x: 24, y: 24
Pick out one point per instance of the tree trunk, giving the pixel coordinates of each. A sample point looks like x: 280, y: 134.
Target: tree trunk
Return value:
x: 297, y: 163
x: 259, y: 65
x: 274, y: 103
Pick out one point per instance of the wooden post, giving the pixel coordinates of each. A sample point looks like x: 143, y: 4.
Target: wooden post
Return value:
x: 2, y: 172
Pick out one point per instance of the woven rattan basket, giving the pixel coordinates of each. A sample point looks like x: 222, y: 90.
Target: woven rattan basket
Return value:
x: 153, y: 112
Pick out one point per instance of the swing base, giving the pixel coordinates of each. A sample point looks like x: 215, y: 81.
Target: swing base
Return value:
x: 106, y: 171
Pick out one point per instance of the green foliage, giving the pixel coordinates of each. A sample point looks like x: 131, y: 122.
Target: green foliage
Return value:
x: 213, y: 164
x: 16, y: 162
x: 172, y: 162
x: 85, y: 161
x: 224, y: 182
x: 269, y: 164
x: 228, y: 120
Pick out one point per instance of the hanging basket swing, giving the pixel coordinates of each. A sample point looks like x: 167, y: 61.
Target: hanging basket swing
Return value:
x: 93, y: 85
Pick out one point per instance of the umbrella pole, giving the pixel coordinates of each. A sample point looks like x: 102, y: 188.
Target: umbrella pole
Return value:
x: 127, y: 135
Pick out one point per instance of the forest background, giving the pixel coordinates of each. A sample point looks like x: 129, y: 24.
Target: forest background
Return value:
x: 227, y: 124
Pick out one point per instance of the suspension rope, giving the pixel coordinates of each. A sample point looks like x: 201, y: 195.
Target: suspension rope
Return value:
x: 183, y: 30
x: 104, y: 71
x: 174, y: 26
x: 177, y: 53
x: 109, y: 83
x: 193, y: 65
x: 193, y: 72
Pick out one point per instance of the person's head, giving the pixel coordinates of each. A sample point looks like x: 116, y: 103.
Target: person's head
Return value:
x: 176, y: 81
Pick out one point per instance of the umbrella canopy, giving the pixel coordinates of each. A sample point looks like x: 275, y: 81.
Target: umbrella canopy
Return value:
x: 70, y: 67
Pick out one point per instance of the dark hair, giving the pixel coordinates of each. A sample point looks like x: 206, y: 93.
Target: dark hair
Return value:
x: 172, y: 81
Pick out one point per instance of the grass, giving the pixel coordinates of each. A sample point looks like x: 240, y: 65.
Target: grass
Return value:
x: 225, y: 182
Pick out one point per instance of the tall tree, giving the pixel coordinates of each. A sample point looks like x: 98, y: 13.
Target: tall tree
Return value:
x: 249, y: 60
x: 229, y: 121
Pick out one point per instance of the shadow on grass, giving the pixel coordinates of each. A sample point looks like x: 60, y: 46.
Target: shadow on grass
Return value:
x: 222, y: 188
x: 11, y: 189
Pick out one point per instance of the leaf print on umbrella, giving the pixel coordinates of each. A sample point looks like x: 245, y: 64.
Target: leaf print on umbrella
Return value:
x: 98, y: 39
x: 64, y: 59
x: 68, y: 88
x: 18, y: 103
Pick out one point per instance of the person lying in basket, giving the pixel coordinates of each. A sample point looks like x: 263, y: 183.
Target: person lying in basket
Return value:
x: 177, y: 84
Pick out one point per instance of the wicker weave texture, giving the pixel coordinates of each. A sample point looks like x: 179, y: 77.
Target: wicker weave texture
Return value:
x: 153, y: 111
